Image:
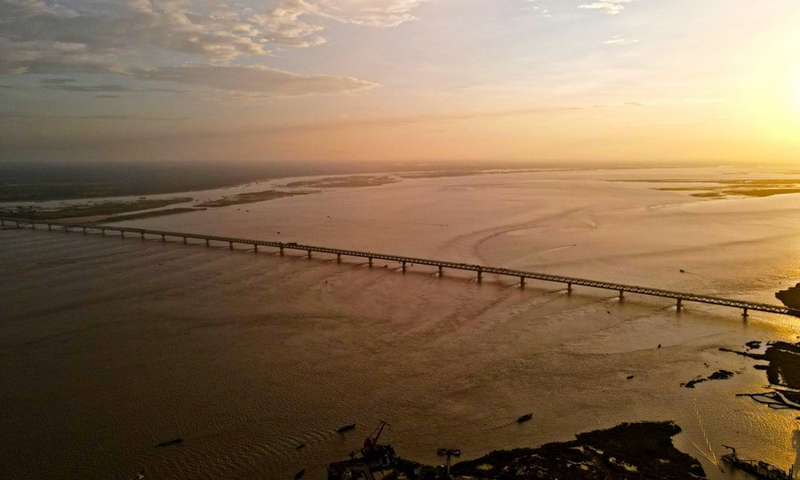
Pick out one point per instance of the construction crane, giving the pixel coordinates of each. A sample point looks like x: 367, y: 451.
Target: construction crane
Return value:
x: 372, y: 440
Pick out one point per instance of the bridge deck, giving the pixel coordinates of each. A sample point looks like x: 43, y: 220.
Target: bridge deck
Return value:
x: 480, y: 269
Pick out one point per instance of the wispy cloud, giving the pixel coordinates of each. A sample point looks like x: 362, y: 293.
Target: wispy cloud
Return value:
x: 253, y: 80
x: 89, y: 88
x: 376, y: 13
x: 620, y: 40
x: 28, y: 116
x: 611, y: 7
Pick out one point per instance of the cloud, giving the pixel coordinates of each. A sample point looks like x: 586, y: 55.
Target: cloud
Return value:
x: 25, y: 116
x: 538, y: 9
x: 619, y: 40
x: 89, y: 88
x: 92, y: 36
x: 375, y: 13
x: 611, y: 7
x: 260, y: 81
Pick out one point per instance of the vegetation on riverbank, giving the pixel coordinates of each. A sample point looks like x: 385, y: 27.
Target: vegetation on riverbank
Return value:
x: 251, y: 197
x: 627, y: 451
x: 345, y: 182
x: 790, y: 297
x: 89, y: 209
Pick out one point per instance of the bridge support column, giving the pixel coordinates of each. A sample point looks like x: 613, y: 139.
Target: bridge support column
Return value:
x: 17, y: 224
x: 309, y: 254
x: 103, y: 232
x: 33, y: 225
x: 480, y: 275
x: 141, y: 234
x: 404, y: 266
x: 163, y: 238
x: 744, y: 313
x: 441, y: 270
x: 521, y: 281
x: 281, y: 248
x: 230, y: 245
x: 338, y: 258
x: 370, y: 261
x: 621, y: 294
x: 84, y: 230
x: 2, y: 223
x: 678, y: 307
x: 49, y: 226
x: 569, y: 287
x: 208, y: 243
x: 184, y: 240
x: 122, y: 234
x: 255, y: 248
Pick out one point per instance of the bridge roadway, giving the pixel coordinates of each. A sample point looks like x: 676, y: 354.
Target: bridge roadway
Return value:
x: 404, y: 261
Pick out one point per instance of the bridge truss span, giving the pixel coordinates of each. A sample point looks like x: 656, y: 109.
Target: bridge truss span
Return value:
x: 404, y: 261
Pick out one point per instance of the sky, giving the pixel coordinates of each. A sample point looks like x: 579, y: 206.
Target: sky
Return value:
x: 400, y: 80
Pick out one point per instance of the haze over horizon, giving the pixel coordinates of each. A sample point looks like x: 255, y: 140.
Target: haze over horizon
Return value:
x: 400, y: 80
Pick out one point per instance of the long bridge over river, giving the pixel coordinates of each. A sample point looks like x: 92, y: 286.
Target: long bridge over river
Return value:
x: 522, y: 275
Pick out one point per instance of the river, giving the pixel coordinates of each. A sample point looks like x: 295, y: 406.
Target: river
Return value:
x: 111, y: 346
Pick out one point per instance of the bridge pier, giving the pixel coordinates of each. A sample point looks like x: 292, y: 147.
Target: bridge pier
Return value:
x: 184, y: 240
x: 678, y: 307
x: 49, y: 226
x: 84, y: 230
x: 141, y: 234
x: 441, y: 270
x: 480, y: 275
x: 404, y: 266
x: 338, y: 258
x: 370, y: 261
x: 230, y: 245
x: 569, y: 287
x: 122, y: 234
x: 309, y: 254
x: 744, y: 313
x: 208, y: 243
x: 33, y: 225
x: 163, y: 238
x: 255, y: 248
x: 2, y: 223
x: 621, y: 294
x: 281, y: 248
x: 102, y: 232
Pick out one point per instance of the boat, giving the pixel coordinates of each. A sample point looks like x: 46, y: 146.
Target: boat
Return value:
x: 346, y: 428
x: 299, y: 474
x: 524, y: 418
x: 302, y: 445
x: 174, y: 441
x: 756, y: 468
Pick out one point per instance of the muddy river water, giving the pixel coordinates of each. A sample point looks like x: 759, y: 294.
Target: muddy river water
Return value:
x: 110, y: 346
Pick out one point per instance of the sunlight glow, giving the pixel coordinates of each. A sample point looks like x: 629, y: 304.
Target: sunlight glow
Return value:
x: 796, y: 90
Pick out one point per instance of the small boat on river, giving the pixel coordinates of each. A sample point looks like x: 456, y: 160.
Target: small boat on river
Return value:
x: 167, y: 443
x: 346, y: 428
x: 524, y: 418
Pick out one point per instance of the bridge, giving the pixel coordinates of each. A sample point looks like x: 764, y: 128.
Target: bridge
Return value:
x: 480, y: 270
